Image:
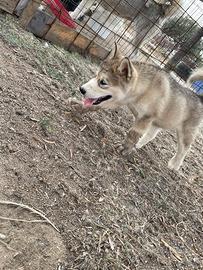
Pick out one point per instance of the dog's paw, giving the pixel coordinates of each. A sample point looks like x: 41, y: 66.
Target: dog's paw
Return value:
x: 75, y: 105
x: 139, y: 145
x: 73, y: 101
x: 170, y: 164
x: 173, y: 164
x: 125, y: 149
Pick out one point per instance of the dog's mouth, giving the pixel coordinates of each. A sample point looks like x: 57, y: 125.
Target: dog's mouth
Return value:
x: 88, y: 102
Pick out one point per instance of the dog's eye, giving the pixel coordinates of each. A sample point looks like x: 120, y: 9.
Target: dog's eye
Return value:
x: 103, y: 83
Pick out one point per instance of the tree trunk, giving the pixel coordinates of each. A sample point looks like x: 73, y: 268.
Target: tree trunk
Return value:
x: 184, y: 49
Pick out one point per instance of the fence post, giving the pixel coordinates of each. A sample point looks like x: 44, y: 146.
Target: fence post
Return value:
x: 28, y: 12
x: 8, y: 5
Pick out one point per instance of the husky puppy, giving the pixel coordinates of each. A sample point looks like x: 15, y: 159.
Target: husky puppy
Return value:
x: 155, y: 98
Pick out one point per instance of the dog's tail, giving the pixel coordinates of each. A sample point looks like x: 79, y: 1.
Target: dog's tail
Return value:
x: 197, y: 75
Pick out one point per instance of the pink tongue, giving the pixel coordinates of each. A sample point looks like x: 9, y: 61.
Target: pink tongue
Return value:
x: 88, y: 102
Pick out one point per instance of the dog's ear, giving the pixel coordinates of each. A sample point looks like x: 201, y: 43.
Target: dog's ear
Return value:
x: 125, y: 68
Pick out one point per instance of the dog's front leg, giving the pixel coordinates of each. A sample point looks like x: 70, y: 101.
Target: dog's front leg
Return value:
x: 130, y: 140
x: 133, y: 135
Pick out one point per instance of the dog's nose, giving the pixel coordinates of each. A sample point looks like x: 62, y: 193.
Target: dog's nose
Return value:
x: 82, y: 90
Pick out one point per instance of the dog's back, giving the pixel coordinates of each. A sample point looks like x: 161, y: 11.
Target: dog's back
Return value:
x: 171, y: 102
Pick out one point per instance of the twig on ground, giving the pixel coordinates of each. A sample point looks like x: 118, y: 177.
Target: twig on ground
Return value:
x: 77, y: 172
x: 32, y: 119
x: 71, y: 166
x: 23, y: 220
x: 49, y: 142
x: 43, y: 141
x: 7, y: 246
x: 181, y: 238
x: 174, y: 252
x: 32, y: 210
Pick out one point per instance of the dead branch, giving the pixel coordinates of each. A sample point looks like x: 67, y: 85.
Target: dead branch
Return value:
x: 174, y: 252
x: 23, y: 220
x: 32, y: 210
x: 7, y: 246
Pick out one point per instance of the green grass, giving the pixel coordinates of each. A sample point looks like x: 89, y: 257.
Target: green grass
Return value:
x: 46, y: 125
x: 69, y: 69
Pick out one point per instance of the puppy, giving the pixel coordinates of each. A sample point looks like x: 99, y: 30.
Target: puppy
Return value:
x: 156, y: 99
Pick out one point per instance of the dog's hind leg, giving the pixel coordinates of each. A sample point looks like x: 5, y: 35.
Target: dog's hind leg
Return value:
x: 148, y: 136
x: 185, y: 136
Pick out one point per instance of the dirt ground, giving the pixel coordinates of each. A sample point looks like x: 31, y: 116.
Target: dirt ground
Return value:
x: 112, y: 212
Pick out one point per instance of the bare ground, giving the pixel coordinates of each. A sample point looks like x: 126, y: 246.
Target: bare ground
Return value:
x: 112, y: 212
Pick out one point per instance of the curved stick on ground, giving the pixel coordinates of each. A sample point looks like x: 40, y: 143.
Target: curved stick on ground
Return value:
x: 32, y: 210
x: 7, y: 246
x: 23, y: 220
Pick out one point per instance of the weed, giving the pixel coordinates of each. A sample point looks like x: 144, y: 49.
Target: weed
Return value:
x: 46, y: 125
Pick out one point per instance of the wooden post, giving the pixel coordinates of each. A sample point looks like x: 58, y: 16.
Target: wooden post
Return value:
x: 61, y: 35
x: 70, y: 39
x: 8, y: 5
x: 40, y: 23
x: 29, y: 12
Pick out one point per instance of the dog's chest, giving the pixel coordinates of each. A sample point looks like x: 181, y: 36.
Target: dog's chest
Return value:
x: 142, y: 109
x: 139, y: 109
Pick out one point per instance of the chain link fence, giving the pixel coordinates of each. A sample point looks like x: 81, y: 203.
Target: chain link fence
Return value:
x: 164, y: 32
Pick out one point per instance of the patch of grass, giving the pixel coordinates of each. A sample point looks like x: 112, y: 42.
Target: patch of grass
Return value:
x: 10, y: 33
x: 55, y: 74
x: 69, y: 69
x: 46, y: 125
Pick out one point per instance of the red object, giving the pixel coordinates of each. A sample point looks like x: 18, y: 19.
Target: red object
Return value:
x: 60, y: 12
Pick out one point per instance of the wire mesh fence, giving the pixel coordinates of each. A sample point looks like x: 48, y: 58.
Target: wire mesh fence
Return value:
x: 165, y: 32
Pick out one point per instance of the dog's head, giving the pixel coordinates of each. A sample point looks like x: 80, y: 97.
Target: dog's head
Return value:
x: 113, y: 83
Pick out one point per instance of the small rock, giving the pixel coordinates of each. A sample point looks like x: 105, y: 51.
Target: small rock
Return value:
x: 2, y: 236
x: 19, y: 113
